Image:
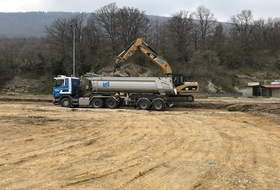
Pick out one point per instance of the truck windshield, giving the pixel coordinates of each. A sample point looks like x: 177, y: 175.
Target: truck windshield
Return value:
x: 58, y: 82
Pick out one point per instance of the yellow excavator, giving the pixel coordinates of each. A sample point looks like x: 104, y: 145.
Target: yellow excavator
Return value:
x: 183, y: 87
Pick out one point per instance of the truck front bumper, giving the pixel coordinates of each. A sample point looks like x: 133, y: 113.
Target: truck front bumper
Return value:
x: 55, y: 101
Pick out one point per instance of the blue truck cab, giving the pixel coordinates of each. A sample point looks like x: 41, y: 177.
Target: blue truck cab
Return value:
x: 65, y: 89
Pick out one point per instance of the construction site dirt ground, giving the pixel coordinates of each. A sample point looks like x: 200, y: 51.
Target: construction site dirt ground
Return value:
x: 212, y: 143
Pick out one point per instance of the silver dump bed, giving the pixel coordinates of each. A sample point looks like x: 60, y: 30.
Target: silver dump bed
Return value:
x: 157, y: 85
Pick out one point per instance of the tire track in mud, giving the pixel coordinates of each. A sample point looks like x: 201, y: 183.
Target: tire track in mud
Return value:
x: 148, y: 155
x: 130, y: 157
x: 165, y: 163
x: 192, y: 160
x: 239, y: 162
x: 179, y: 165
x: 113, y: 135
x: 88, y: 176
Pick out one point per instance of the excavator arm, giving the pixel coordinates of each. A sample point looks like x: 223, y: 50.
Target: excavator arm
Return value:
x: 145, y: 49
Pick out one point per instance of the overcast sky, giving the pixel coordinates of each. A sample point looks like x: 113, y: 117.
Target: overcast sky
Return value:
x: 222, y: 9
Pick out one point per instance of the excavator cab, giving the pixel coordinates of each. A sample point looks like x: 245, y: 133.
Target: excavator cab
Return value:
x: 178, y: 79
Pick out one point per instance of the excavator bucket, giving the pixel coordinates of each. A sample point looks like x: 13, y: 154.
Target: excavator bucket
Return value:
x: 120, y: 72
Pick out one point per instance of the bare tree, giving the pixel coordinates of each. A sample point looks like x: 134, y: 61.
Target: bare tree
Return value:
x: 180, y: 27
x: 131, y: 24
x: 8, y: 65
x: 243, y: 29
x: 260, y: 33
x: 60, y: 35
x: 218, y: 38
x: 92, y: 35
x: 158, y: 34
x: 92, y: 46
x: 106, y: 21
x: 206, y: 23
x: 273, y: 36
x: 78, y: 22
x: 243, y: 23
x: 32, y: 58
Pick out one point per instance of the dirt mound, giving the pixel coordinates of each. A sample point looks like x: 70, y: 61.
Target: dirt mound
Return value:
x: 131, y: 69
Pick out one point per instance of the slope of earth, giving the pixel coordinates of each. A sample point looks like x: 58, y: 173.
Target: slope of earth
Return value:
x: 49, y: 147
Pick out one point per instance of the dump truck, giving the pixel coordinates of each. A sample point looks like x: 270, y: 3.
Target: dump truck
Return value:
x: 99, y: 91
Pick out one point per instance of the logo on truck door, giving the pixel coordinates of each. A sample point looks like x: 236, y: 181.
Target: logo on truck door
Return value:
x: 106, y: 84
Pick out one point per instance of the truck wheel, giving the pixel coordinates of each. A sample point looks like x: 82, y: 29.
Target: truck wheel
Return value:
x: 158, y: 105
x: 97, y: 103
x: 144, y: 104
x: 190, y: 98
x: 66, y: 102
x: 111, y: 103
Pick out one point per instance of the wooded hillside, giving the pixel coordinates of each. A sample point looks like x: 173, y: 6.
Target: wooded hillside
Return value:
x: 194, y: 44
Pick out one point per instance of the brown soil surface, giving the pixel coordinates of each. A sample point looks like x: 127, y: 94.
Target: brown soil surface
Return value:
x: 212, y: 143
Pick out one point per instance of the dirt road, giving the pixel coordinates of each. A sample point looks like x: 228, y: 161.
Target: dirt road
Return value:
x: 49, y: 147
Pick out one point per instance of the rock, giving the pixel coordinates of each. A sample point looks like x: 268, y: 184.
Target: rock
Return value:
x: 129, y: 69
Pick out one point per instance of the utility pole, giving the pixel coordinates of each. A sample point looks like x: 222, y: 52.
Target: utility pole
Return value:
x: 74, y: 49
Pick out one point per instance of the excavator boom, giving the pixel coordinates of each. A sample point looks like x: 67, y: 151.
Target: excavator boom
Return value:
x: 145, y: 49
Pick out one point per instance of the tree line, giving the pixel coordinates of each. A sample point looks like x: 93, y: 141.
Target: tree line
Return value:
x: 194, y: 43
